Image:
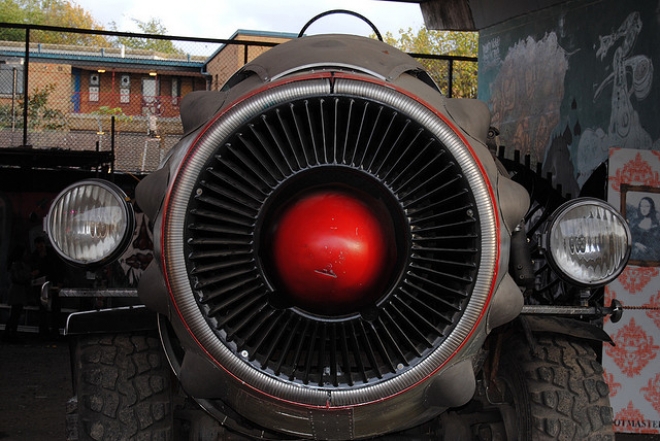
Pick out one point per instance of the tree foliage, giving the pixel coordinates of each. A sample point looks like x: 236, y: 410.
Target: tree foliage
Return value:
x: 153, y: 27
x: 425, y: 41
x: 40, y: 115
x: 62, y: 13
x: 65, y: 13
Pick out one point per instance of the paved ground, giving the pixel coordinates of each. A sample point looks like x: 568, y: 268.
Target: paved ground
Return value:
x: 35, y: 383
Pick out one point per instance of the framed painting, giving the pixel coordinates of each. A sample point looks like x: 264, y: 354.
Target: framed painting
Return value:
x: 639, y: 205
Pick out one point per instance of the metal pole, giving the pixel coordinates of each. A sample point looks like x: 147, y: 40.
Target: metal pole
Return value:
x: 26, y: 99
x: 14, y: 86
x: 98, y: 156
x: 450, y: 79
x: 112, y: 147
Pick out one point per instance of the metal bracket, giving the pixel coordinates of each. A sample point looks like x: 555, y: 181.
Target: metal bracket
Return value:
x: 615, y: 310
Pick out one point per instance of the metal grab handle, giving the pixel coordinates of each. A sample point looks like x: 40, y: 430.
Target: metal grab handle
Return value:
x: 341, y: 11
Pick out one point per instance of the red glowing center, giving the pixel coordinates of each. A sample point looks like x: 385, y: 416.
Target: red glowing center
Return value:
x: 332, y: 252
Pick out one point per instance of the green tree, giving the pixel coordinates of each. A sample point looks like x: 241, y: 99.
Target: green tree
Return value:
x: 40, y: 115
x: 105, y: 113
x: 11, y: 12
x: 153, y: 27
x: 425, y: 41
x: 62, y: 13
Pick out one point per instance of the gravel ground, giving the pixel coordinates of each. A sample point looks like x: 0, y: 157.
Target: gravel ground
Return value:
x: 35, y: 382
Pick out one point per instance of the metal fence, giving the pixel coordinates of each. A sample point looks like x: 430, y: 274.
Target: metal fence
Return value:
x: 65, y: 90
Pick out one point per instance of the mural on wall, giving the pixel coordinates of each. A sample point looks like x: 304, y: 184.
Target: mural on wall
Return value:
x: 565, y: 87
x: 630, y: 80
x: 525, y: 103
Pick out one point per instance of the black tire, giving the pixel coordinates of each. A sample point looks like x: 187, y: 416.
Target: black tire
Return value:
x: 123, y: 387
x: 557, y: 390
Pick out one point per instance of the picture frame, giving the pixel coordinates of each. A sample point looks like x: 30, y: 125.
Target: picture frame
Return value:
x: 640, y: 206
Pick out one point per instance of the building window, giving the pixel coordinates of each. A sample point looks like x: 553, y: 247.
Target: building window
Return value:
x: 150, y: 99
x: 176, y: 90
x: 11, y: 78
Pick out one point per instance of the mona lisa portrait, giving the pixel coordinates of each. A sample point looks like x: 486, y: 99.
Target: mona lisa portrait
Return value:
x: 640, y: 205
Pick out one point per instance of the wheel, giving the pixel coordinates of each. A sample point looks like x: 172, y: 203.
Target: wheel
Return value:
x: 123, y: 388
x: 556, y: 389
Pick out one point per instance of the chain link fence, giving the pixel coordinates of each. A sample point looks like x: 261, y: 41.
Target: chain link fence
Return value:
x: 118, y: 94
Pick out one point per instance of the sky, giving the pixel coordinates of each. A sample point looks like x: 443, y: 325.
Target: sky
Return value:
x: 222, y: 18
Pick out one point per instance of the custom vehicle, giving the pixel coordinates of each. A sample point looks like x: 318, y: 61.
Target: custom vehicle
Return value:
x: 339, y: 255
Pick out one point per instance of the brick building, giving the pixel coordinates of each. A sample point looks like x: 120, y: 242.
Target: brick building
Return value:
x: 82, y: 86
x: 228, y: 58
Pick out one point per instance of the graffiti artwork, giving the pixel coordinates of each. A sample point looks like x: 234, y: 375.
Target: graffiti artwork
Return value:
x: 565, y: 97
x: 631, y: 76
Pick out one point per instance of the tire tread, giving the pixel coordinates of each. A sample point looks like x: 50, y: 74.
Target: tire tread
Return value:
x: 123, y: 389
x: 569, y: 399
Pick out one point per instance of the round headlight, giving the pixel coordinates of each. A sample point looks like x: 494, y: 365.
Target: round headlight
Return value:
x: 90, y: 222
x: 588, y: 242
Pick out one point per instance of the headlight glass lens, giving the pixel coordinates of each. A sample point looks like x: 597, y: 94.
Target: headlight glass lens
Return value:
x: 589, y: 242
x: 90, y: 222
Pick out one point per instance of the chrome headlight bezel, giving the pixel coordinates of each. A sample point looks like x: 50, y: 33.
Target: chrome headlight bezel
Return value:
x: 570, y: 259
x: 97, y: 240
